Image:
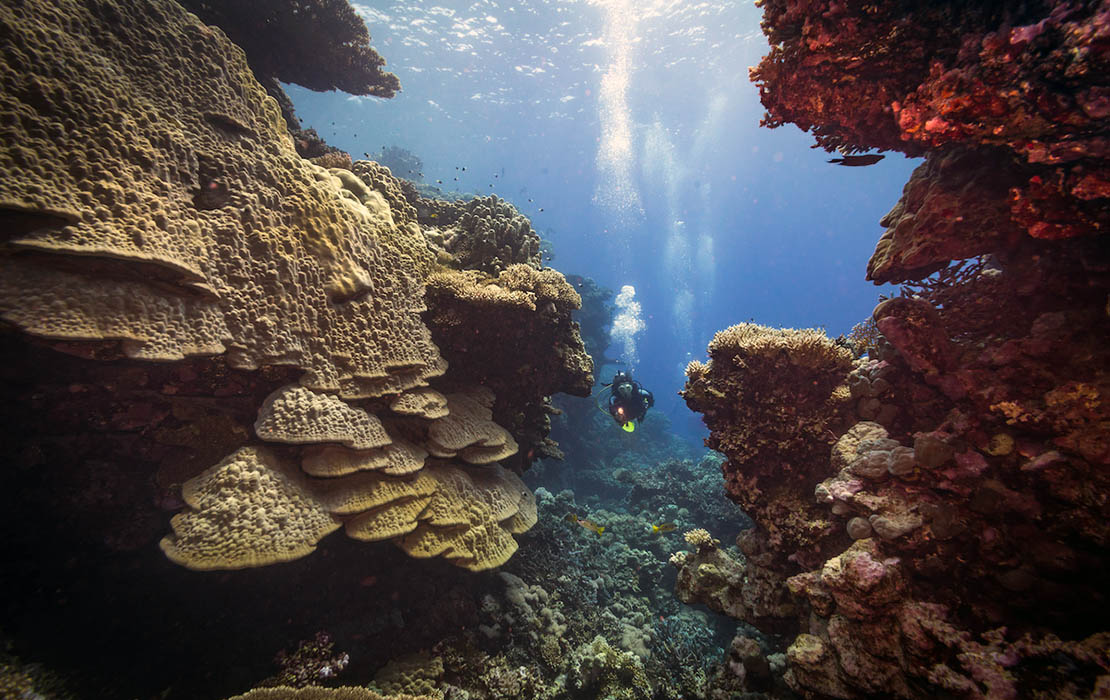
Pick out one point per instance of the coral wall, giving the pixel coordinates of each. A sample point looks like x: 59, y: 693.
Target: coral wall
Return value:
x: 953, y: 541
x: 190, y: 308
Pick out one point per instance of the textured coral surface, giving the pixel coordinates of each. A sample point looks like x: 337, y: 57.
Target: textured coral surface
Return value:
x: 158, y: 211
x: 320, y: 44
x: 953, y: 541
x: 1010, y: 104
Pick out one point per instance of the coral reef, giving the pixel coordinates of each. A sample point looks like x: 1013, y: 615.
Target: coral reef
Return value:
x: 953, y: 540
x: 1010, y: 107
x: 865, y: 77
x: 251, y: 277
x: 313, y: 662
x: 513, y: 334
x: 771, y: 399
x: 319, y: 44
x: 483, y: 233
x: 29, y: 681
x: 314, y: 693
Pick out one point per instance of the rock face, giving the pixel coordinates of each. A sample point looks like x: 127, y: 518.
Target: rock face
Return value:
x: 951, y: 537
x: 178, y: 286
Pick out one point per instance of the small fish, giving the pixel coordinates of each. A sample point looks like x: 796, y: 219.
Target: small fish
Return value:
x: 869, y: 159
x: 588, y: 524
x: 664, y: 527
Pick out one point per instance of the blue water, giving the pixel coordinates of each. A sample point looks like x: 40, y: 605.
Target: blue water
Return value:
x: 629, y: 133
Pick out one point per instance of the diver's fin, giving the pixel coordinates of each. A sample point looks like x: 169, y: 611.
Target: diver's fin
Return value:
x: 628, y: 427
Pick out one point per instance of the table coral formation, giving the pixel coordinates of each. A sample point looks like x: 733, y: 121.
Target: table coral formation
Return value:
x: 952, y: 533
x: 246, y: 511
x: 296, y: 415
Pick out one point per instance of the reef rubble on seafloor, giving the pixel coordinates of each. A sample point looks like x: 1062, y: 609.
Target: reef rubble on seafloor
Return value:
x: 931, y: 518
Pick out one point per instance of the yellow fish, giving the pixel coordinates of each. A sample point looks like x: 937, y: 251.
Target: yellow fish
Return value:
x: 588, y: 524
x: 664, y: 527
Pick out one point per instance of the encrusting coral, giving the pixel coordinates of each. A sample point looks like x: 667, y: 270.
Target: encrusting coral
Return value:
x: 770, y: 398
x: 152, y: 278
x: 484, y: 233
x: 952, y: 538
x: 1009, y: 106
x: 319, y: 693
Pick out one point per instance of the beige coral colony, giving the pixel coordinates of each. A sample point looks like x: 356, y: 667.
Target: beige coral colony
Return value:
x: 181, y: 223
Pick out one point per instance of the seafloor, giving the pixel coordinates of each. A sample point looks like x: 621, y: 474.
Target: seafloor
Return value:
x: 223, y: 340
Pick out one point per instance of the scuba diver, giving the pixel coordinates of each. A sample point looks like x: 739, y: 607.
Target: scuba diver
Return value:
x: 628, y: 401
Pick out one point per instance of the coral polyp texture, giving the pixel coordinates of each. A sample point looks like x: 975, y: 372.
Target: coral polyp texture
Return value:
x: 165, y: 238
x: 935, y: 524
x: 484, y: 233
x: 159, y: 218
x: 770, y: 398
x: 255, y: 508
x: 488, y: 326
x: 319, y: 693
x: 1009, y: 104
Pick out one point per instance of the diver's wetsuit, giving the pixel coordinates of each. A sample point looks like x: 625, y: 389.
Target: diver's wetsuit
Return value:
x: 628, y: 401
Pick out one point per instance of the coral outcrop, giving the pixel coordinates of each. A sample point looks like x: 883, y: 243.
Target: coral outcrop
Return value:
x: 318, y: 693
x: 771, y: 399
x: 319, y: 44
x: 513, y: 334
x: 1010, y: 106
x: 178, y: 286
x: 955, y: 539
x: 484, y: 233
